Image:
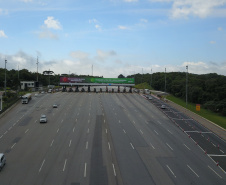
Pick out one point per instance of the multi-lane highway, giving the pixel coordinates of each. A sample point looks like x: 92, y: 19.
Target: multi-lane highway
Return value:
x: 99, y: 139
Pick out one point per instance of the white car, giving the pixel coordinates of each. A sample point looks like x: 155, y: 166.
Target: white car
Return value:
x: 163, y: 106
x: 54, y: 105
x: 43, y: 119
x: 150, y: 98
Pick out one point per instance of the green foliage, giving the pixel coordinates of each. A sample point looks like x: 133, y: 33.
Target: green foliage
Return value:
x: 144, y: 85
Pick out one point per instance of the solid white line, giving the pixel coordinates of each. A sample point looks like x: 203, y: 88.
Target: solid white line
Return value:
x: 170, y: 170
x: 65, y: 162
x: 113, y: 169
x: 152, y: 146
x: 41, y: 165
x: 141, y: 132
x: 52, y: 143
x: 192, y: 170
x: 26, y: 131
x: 124, y: 131
x: 156, y: 132
x: 69, y: 144
x: 169, y: 146
x: 215, y: 172
x: 131, y: 145
x: 109, y: 146
x: 216, y: 155
x: 13, y: 145
x: 87, y: 145
x: 187, y: 147
x: 170, y: 132
x: 85, y: 170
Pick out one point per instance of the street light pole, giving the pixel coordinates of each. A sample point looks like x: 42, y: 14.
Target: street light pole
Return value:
x: 5, y: 76
x: 187, y: 86
x: 165, y: 79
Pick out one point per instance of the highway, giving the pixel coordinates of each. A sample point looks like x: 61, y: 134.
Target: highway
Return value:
x: 99, y: 139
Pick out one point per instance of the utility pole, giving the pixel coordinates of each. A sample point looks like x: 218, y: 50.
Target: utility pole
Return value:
x: 5, y: 76
x: 18, y: 79
x: 151, y: 76
x: 165, y: 79
x: 37, y: 68
x: 92, y: 69
x: 187, y: 86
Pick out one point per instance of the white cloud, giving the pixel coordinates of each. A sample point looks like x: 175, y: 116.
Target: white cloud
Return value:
x: 186, y: 8
x: 47, y: 34
x: 129, y: 1
x: 93, y: 21
x: 26, y: 1
x: 50, y: 22
x: 122, y: 27
x: 219, y: 28
x: 105, y: 54
x: 212, y: 42
x: 144, y: 20
x: 2, y: 34
x: 97, y: 26
x: 79, y: 54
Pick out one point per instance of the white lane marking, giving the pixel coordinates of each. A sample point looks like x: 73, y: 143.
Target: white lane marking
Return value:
x: 146, y: 122
x: 109, y: 146
x: 88, y: 121
x: 159, y: 122
x: 170, y: 132
x: 213, y: 155
x: 134, y: 122
x: 89, y: 113
x: 88, y: 130
x: 74, y: 129
x: 192, y: 170
x: 222, y: 151
x: 5, y: 132
x: 62, y: 121
x: 106, y: 131
x: 77, y: 114
x: 26, y: 131
x: 87, y: 144
x: 14, y: 124
x: 41, y: 165
x: 169, y: 146
x: 124, y: 131
x: 141, y: 132
x: 115, y: 113
x: 152, y: 146
x: 85, y: 170
x: 69, y: 144
x: 57, y: 130
x: 119, y: 121
x: 76, y: 120
x: 13, y: 145
x: 65, y: 162
x: 36, y: 121
x: 113, y: 166
x: 104, y: 120
x: 215, y: 172
x: 156, y: 132
x: 52, y: 143
x: 131, y: 145
x: 187, y: 147
x: 170, y: 170
x: 10, y: 128
x: 1, y: 136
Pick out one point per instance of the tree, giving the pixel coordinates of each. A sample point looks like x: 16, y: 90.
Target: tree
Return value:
x: 121, y: 76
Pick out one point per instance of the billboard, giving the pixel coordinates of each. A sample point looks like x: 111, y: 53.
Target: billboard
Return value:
x: 97, y: 80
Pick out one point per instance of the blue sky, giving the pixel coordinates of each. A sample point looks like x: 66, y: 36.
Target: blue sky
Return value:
x: 115, y: 36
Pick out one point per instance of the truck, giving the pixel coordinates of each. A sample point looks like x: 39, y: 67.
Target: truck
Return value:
x: 26, y: 98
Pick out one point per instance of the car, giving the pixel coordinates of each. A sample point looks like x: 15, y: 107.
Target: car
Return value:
x: 43, y: 119
x: 54, y: 105
x: 163, y: 106
x: 150, y: 98
x: 2, y: 160
x: 36, y: 95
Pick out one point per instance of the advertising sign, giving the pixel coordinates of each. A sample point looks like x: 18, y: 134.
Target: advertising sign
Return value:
x: 97, y: 80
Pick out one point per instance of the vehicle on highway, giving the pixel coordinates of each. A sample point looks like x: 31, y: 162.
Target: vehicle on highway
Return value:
x: 26, y: 98
x: 36, y: 95
x: 50, y: 91
x: 55, y: 105
x: 2, y: 160
x: 163, y: 106
x: 150, y: 98
x: 43, y: 119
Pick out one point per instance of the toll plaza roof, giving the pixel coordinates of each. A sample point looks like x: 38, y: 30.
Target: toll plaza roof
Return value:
x: 95, y: 84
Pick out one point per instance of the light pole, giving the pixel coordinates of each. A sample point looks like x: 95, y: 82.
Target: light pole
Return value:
x: 5, y: 76
x: 151, y: 77
x: 187, y: 86
x: 165, y: 79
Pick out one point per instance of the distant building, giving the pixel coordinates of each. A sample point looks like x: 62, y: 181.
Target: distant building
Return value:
x: 30, y: 85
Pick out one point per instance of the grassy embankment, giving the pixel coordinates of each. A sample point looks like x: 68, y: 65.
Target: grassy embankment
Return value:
x: 214, y: 117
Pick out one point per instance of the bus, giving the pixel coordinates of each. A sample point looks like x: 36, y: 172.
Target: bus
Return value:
x: 26, y: 98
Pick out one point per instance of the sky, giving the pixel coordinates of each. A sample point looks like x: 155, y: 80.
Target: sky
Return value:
x: 112, y: 37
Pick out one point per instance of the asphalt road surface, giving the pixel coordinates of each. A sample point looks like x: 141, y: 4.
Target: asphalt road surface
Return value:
x: 99, y: 139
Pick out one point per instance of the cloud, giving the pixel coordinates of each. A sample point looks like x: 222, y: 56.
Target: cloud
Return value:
x: 212, y: 42
x: 50, y: 22
x: 144, y: 20
x: 105, y: 54
x: 79, y: 54
x: 46, y: 34
x: 219, y: 28
x: 198, y: 8
x: 2, y: 34
x: 26, y: 1
x: 130, y: 1
x: 93, y: 21
x: 122, y: 27
x: 97, y: 26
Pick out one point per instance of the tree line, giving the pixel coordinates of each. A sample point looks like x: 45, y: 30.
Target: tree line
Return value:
x: 209, y: 90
